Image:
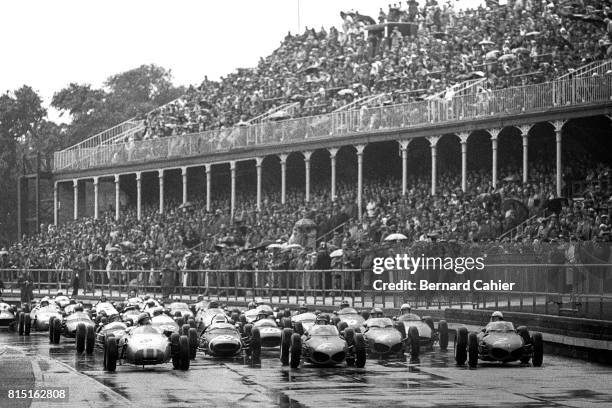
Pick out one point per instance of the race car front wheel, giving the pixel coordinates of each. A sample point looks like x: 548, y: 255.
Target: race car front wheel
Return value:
x: 110, y: 354
x: 296, y: 350
x: 183, y: 353
x: 538, y: 349
x: 193, y: 342
x: 360, y: 350
x: 413, y: 336
x: 80, y: 337
x: 473, y: 350
x: 27, y: 324
x: 443, y: 335
x: 51, y: 319
x: 461, y: 340
x: 57, y: 330
x: 285, y: 346
x: 90, y: 339
x: 255, y: 343
x: 21, y: 324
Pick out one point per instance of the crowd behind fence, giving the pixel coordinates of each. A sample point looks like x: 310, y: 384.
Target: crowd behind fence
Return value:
x: 514, y: 100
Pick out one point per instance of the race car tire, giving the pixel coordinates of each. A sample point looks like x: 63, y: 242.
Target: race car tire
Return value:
x: 401, y: 327
x: 299, y: 328
x: 341, y: 326
x: 349, y: 336
x: 180, y: 321
x: 21, y: 324
x: 192, y: 335
x: 286, y: 313
x: 104, y: 320
x: 413, y: 335
x: 174, y: 350
x: 538, y: 349
x: 57, y: 330
x: 185, y: 329
x: 255, y: 343
x: 285, y: 346
x: 473, y: 350
x: 111, y: 354
x: 335, y: 320
x: 183, y: 353
x: 360, y: 350
x: 90, y: 339
x: 51, y: 319
x: 286, y: 322
x: 365, y: 314
x: 191, y: 323
x: 296, y: 350
x: 461, y: 339
x: 429, y: 321
x: 242, y: 319
x: 247, y: 330
x: 80, y: 337
x: 443, y: 335
x: 524, y: 333
x: 27, y: 325
x: 235, y: 317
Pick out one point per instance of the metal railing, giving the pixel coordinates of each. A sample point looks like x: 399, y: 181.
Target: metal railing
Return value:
x: 581, y: 290
x: 595, y: 67
x: 514, y: 232
x: 287, y: 107
x: 515, y: 100
x: 462, y: 88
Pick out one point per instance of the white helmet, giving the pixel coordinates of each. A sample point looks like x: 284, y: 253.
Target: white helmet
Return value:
x: 405, y: 306
x: 497, y: 315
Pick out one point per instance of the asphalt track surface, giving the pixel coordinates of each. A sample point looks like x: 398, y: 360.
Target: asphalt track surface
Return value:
x: 32, y: 363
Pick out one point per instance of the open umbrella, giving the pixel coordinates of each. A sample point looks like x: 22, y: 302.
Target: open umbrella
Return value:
x: 293, y: 246
x: 532, y: 34
x: 477, y: 74
x: 280, y: 115
x: 507, y: 57
x: 3, y: 253
x: 491, y: 55
x: 396, y: 237
x: 521, y: 50
x: 275, y: 245
x: 336, y: 253
x: 113, y: 249
x: 346, y: 91
x: 486, y: 42
x: 186, y: 204
x: 305, y: 223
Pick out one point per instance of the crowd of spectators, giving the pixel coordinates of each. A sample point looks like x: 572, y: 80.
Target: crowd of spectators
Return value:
x: 523, y: 42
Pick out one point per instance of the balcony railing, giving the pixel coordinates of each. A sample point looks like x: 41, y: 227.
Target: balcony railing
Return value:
x: 502, y: 102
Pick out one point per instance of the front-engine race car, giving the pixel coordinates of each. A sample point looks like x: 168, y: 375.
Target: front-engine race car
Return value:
x: 146, y: 345
x: 499, y: 341
x: 383, y: 338
x: 79, y: 326
x: 348, y: 317
x: 221, y: 339
x: 180, y: 309
x: 413, y: 326
x: 323, y: 345
x: 8, y: 315
x: 45, y: 316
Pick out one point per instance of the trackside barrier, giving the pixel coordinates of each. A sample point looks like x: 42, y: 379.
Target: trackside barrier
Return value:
x: 578, y: 290
x: 496, y: 103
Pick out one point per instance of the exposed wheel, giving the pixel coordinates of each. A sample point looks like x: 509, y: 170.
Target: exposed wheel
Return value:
x: 285, y: 346
x: 81, y: 331
x: 247, y: 330
x: 472, y: 350
x: 286, y: 313
x: 299, y: 328
x: 110, y: 354
x: 296, y: 350
x: 365, y: 314
x: 286, y: 322
x: 401, y: 327
x: 349, y: 336
x: 341, y: 326
x: 27, y: 324
x: 538, y: 349
x: 174, y: 350
x: 183, y: 353
x: 192, y: 335
x: 185, y: 329
x: 443, y: 335
x: 524, y: 333
x: 235, y: 317
x: 429, y: 321
x: 104, y: 320
x: 335, y: 320
x: 413, y: 336
x: 21, y: 324
x: 192, y: 323
x: 255, y: 343
x: 360, y: 350
x: 90, y: 339
x: 51, y: 319
x: 57, y: 330
x: 461, y: 340
x: 180, y: 321
x: 242, y: 319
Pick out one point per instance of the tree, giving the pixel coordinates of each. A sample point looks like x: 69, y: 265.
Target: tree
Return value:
x: 126, y: 95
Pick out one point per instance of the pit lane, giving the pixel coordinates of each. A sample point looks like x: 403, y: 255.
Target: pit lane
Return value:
x: 433, y: 382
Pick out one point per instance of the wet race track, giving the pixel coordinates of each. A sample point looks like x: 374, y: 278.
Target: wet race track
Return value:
x: 31, y: 362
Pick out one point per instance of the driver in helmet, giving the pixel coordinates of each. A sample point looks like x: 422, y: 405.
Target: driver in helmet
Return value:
x: 303, y: 308
x: 103, y: 299
x: 344, y: 304
x: 251, y: 305
x: 143, y: 319
x: 405, y: 309
x: 322, y: 319
x: 213, y: 305
x: 44, y: 303
x: 261, y: 314
x: 497, y: 316
x: 376, y: 312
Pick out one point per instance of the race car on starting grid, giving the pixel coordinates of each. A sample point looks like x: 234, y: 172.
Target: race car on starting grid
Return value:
x: 384, y: 339
x: 77, y: 325
x: 8, y: 316
x: 223, y: 339
x: 323, y: 345
x: 348, y: 317
x: 499, y: 341
x: 180, y: 309
x: 413, y: 326
x: 46, y: 315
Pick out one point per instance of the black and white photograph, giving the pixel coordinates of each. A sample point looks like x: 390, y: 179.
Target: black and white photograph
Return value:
x: 306, y: 203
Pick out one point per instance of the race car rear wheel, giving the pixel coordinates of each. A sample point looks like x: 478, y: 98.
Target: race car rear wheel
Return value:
x: 191, y: 323
x: 402, y: 329
x: 299, y: 328
x: 180, y: 321
x: 443, y: 335
x: 538, y: 349
x: 21, y: 324
x: 287, y: 312
x: 296, y: 350
x: 27, y: 324
x: 242, y: 319
x: 51, y: 319
x: 90, y: 339
x: 185, y: 330
x: 429, y: 321
x: 349, y: 336
x: 286, y: 322
x: 255, y: 343
x: 183, y: 353
x: 524, y: 333
x: 80, y: 337
x: 461, y: 339
x: 174, y: 350
x: 360, y: 351
x: 335, y: 320
x: 472, y: 350
x: 110, y: 354
x: 341, y: 326
x: 192, y: 335
x: 247, y: 330
x: 413, y: 336
x: 104, y: 320
x: 235, y: 317
x: 285, y: 346
x: 365, y: 314
x: 57, y: 330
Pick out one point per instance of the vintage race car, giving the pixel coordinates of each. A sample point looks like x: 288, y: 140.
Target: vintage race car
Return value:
x: 130, y: 314
x: 146, y: 345
x: 323, y: 345
x: 383, y: 337
x: 205, y: 317
x: 348, y: 317
x: 249, y: 316
x: 499, y: 341
x: 104, y: 310
x: 62, y: 301
x: 77, y: 325
x: 42, y: 318
x: 263, y: 333
x: 425, y: 332
x: 300, y: 323
x: 221, y: 339
x: 116, y: 329
x: 180, y: 309
x: 8, y: 315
